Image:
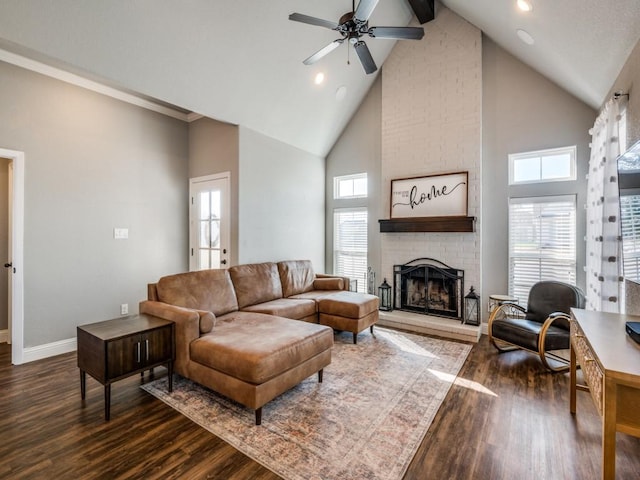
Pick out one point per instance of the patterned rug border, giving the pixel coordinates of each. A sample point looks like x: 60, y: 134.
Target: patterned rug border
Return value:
x: 241, y: 431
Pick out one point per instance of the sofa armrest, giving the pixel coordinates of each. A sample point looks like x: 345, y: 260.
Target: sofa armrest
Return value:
x: 334, y: 283
x: 345, y: 280
x: 187, y: 328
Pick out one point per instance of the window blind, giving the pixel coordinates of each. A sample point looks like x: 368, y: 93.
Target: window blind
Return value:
x: 350, y: 244
x: 630, y: 222
x: 542, y: 242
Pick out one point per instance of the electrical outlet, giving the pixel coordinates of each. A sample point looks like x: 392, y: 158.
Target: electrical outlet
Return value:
x: 124, y: 309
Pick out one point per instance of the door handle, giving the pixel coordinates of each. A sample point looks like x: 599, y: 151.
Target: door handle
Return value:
x: 8, y: 265
x: 223, y: 262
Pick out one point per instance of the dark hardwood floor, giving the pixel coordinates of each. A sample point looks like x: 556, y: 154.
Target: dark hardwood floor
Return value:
x: 505, y: 418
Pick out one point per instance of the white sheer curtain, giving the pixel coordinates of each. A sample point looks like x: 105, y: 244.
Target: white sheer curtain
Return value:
x: 604, y: 245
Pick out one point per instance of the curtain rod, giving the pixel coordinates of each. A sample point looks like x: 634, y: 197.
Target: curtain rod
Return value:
x: 619, y: 94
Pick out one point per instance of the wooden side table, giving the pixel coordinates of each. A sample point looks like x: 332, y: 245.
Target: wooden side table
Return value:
x: 496, y: 300
x: 115, y: 349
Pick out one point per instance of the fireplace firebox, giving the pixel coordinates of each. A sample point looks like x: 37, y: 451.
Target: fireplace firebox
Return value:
x: 429, y: 287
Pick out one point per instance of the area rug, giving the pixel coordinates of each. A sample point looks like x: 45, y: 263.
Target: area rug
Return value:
x: 366, y: 420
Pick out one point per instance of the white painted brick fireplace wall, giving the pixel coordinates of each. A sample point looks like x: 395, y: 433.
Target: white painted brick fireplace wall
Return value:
x: 431, y: 124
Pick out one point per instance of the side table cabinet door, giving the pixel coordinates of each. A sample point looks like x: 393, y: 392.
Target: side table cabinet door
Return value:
x: 122, y: 356
x: 157, y: 346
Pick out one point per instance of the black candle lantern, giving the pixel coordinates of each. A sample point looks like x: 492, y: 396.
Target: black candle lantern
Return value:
x: 472, y: 308
x: 384, y: 293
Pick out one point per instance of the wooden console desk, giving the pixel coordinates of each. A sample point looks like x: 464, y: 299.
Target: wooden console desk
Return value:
x: 610, y: 363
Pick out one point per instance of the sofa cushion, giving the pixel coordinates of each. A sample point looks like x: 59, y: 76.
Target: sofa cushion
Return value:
x: 208, y: 290
x: 256, y: 283
x: 293, y: 308
x: 348, y: 304
x: 296, y: 276
x: 315, y: 294
x: 255, y: 347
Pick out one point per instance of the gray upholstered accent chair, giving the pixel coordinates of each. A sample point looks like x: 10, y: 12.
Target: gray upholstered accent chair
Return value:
x: 542, y: 328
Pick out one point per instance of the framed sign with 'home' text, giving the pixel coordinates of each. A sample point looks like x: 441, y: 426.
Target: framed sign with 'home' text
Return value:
x: 431, y: 196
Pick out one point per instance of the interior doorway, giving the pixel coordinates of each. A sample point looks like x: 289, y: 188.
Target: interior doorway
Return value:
x: 5, y: 208
x: 14, y: 254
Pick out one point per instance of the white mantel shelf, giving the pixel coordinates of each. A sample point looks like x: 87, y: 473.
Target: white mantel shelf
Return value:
x: 430, y: 325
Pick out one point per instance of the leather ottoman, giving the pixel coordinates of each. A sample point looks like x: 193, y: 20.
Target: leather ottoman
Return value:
x: 348, y: 311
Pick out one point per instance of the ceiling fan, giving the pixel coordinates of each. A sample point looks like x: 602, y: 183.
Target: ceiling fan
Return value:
x: 352, y: 26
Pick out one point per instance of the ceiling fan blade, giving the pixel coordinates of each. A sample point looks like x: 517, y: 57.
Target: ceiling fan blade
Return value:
x: 365, y: 9
x: 322, y: 52
x: 402, y: 33
x: 299, y: 17
x: 365, y: 57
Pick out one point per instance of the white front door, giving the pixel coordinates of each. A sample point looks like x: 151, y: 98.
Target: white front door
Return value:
x: 209, y: 222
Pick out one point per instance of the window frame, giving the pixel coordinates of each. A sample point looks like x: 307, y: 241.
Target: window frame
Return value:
x: 353, y: 177
x: 571, y: 150
x: 361, y: 284
x: 512, y: 286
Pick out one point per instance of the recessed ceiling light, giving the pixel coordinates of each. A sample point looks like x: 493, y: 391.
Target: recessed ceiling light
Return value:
x: 525, y: 5
x: 319, y: 78
x: 525, y: 37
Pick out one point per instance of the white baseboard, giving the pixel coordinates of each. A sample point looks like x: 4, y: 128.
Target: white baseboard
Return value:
x: 4, y: 336
x: 31, y: 354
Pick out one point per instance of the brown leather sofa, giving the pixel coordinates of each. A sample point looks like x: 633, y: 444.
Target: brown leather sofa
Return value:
x: 235, y: 328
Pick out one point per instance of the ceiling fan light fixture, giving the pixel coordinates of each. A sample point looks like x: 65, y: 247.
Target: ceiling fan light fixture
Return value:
x: 525, y: 5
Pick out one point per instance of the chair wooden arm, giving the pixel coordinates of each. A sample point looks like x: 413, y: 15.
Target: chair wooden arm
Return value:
x: 505, y: 309
x: 551, y: 319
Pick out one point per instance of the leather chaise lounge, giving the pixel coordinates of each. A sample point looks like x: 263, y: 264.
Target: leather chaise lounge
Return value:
x: 251, y: 332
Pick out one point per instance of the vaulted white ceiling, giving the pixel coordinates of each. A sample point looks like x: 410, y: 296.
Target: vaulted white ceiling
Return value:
x: 240, y: 61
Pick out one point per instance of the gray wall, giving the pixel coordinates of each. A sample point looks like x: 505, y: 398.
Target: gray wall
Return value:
x: 92, y: 163
x: 214, y: 148
x: 629, y: 75
x: 524, y: 111
x: 281, y: 197
x: 4, y: 241
x: 358, y: 150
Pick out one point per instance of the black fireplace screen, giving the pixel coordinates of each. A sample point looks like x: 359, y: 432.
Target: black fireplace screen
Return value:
x: 430, y: 287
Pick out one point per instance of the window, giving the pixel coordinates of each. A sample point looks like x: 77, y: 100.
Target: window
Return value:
x: 556, y: 164
x: 350, y: 186
x: 542, y: 242
x: 350, y: 244
x: 630, y: 224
